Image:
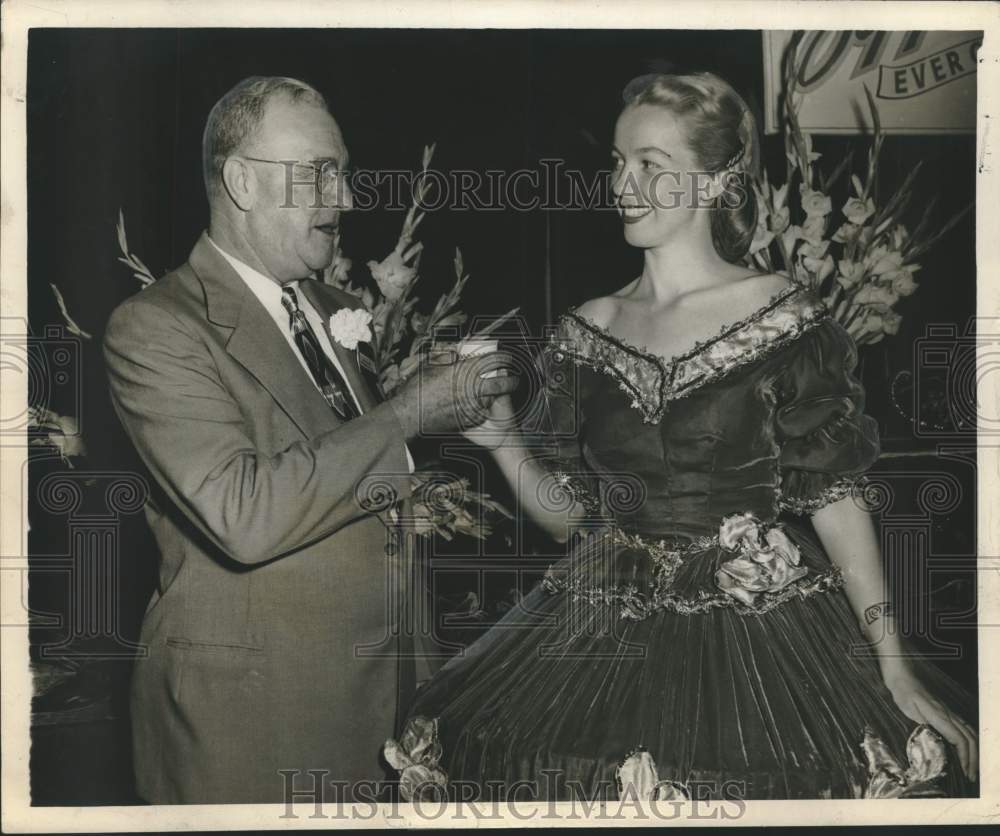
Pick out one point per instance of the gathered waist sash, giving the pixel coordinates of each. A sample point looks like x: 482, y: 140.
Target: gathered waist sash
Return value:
x: 749, y: 566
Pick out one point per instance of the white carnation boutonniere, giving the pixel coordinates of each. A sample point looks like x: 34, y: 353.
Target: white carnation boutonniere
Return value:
x: 350, y: 327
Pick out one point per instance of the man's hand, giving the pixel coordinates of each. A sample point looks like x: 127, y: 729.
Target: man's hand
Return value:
x: 453, y: 397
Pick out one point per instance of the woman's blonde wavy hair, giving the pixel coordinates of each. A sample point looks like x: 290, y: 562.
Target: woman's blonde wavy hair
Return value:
x: 722, y: 133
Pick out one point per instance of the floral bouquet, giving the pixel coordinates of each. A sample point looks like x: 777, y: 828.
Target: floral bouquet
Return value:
x: 445, y: 507
x: 394, y: 317
x: 861, y: 258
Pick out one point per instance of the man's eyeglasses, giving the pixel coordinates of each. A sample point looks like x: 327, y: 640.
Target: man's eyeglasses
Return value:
x: 327, y: 175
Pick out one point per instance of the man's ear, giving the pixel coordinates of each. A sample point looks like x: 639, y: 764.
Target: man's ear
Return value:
x: 240, y: 182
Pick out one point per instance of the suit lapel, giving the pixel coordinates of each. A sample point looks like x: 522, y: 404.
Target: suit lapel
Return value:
x: 257, y: 344
x: 327, y: 301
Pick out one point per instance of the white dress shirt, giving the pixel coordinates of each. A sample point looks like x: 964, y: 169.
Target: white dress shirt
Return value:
x: 268, y: 292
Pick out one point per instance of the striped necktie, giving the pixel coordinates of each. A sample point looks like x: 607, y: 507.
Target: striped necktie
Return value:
x: 325, y: 374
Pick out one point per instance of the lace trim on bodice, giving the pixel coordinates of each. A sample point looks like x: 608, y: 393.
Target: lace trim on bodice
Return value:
x: 653, y: 381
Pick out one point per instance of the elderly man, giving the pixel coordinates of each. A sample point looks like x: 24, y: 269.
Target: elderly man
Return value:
x: 272, y: 662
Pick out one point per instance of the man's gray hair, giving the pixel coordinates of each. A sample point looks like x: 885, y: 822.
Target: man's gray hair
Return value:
x: 239, y: 113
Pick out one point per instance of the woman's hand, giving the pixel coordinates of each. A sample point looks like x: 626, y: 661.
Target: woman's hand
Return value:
x: 916, y: 702
x: 497, y: 427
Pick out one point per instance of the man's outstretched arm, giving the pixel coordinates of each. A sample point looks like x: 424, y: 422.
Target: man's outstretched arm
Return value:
x: 190, y: 433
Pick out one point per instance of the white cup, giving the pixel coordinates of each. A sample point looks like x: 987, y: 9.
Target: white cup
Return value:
x: 473, y: 346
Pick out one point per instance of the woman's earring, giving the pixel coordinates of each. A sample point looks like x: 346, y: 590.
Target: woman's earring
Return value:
x: 737, y: 156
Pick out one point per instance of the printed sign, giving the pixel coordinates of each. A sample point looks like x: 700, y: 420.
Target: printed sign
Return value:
x: 923, y: 82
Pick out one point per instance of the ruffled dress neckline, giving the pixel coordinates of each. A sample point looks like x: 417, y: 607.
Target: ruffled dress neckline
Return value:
x: 653, y: 380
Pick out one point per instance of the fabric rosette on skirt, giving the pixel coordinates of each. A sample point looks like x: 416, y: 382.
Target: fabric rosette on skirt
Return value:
x: 769, y: 561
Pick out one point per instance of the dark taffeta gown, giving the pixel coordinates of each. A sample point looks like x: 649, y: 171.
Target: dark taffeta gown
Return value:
x: 696, y: 639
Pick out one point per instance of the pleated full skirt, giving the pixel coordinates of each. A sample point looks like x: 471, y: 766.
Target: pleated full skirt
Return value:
x: 554, y: 698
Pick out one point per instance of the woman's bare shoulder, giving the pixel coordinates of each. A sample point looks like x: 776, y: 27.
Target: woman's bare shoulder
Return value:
x: 771, y: 281
x: 600, y: 310
x: 759, y: 288
x: 603, y: 309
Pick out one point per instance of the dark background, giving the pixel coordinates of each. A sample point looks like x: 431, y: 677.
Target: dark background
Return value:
x: 115, y: 120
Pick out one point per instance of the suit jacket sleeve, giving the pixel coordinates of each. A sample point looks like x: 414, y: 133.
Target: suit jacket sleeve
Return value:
x: 191, y: 434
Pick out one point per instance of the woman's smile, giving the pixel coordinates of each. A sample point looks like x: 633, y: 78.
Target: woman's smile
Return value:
x: 634, y: 214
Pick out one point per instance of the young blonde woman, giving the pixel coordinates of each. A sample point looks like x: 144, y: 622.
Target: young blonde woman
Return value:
x: 701, y: 638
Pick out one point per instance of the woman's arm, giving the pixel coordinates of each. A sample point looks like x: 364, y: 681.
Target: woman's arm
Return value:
x: 849, y: 537
x: 530, y: 482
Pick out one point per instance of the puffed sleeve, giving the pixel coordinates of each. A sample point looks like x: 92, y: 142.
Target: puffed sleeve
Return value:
x: 553, y: 421
x: 826, y: 441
